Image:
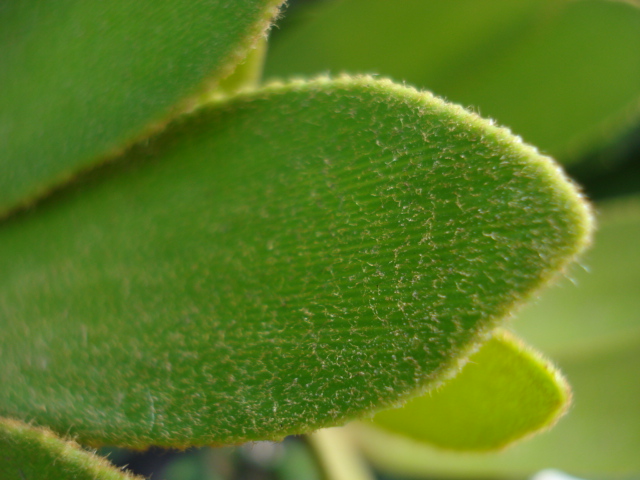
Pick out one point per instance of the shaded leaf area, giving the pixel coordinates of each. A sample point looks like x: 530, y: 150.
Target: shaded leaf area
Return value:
x: 505, y: 392
x: 594, y: 335
x: 564, y: 75
x: 286, y: 261
x: 81, y: 79
x: 28, y: 453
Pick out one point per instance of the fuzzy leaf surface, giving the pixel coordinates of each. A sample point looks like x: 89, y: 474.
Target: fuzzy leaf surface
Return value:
x: 564, y: 75
x: 279, y: 263
x: 505, y: 392
x: 592, y: 329
x: 79, y: 80
x: 28, y: 453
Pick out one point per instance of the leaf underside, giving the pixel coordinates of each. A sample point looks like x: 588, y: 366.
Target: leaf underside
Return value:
x: 282, y: 262
x: 81, y: 79
x: 505, y: 392
x: 564, y: 75
x: 28, y: 453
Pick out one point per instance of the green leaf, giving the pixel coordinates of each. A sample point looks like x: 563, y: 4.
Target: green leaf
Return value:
x: 505, y: 392
x: 28, y: 453
x: 289, y: 260
x: 564, y: 75
x: 81, y: 80
x: 593, y: 329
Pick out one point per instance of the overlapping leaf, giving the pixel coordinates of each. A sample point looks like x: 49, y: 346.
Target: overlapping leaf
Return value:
x: 563, y: 74
x: 28, y: 453
x: 278, y: 263
x: 504, y: 393
x: 79, y: 80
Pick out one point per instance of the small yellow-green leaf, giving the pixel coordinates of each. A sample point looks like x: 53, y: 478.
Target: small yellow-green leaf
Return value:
x: 563, y: 74
x: 598, y: 438
x: 288, y: 260
x: 28, y: 453
x: 80, y: 80
x: 505, y: 392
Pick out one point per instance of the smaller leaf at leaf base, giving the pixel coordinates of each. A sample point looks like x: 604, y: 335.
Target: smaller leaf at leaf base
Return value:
x: 287, y: 260
x: 28, y: 453
x: 505, y: 392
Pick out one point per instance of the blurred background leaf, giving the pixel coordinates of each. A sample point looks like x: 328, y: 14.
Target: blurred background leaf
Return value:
x: 565, y: 75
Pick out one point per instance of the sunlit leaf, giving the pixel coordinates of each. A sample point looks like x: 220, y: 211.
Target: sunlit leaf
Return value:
x: 28, y: 453
x: 505, y: 392
x: 79, y: 79
x: 563, y: 74
x: 282, y: 262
